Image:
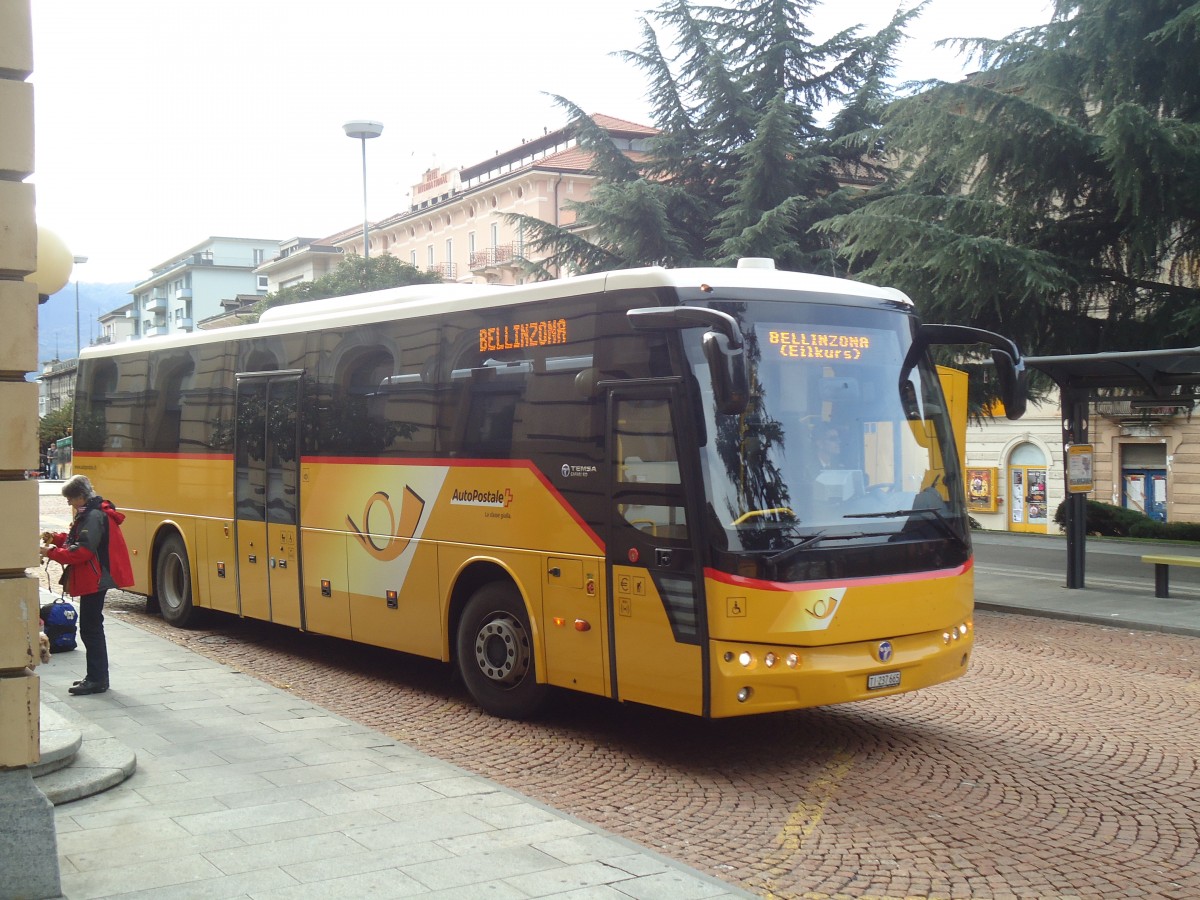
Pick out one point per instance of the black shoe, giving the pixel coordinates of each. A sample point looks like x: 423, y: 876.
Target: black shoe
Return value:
x: 88, y: 687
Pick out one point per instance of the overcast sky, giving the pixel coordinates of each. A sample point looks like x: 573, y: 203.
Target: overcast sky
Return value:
x: 163, y: 122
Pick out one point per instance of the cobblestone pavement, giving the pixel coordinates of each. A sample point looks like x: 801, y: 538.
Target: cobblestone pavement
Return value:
x: 1064, y: 765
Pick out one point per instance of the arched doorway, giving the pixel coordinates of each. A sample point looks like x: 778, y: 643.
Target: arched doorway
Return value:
x: 1027, y: 489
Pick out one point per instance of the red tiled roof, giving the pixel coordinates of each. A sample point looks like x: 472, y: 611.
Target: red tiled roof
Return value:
x: 611, y: 123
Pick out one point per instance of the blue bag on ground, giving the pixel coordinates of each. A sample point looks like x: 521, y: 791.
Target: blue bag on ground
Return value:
x: 59, y: 621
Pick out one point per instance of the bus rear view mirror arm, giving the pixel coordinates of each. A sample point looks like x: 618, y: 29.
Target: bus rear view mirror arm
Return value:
x: 1010, y: 366
x: 722, y: 346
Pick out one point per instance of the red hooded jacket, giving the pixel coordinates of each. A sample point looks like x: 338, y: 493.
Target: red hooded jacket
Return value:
x: 94, y: 550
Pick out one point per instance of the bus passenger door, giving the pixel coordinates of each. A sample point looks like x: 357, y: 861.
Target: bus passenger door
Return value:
x: 266, y: 453
x: 656, y: 594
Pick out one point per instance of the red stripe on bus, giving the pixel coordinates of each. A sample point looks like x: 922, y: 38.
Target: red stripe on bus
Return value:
x: 793, y: 586
x: 419, y: 461
x: 146, y: 454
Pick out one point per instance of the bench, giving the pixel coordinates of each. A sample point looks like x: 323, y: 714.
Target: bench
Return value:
x: 1161, y: 566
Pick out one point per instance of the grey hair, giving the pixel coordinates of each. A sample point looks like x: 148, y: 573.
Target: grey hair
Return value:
x: 78, y: 486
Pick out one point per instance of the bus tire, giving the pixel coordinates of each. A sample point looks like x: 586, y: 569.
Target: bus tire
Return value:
x: 495, y: 653
x: 173, y: 582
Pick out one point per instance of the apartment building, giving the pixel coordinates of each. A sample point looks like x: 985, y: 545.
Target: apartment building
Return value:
x: 56, y: 385
x: 454, y: 225
x: 192, y: 285
x: 302, y: 259
x: 116, y: 325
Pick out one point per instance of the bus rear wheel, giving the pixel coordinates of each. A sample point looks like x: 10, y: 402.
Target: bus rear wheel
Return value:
x: 495, y: 654
x: 173, y: 582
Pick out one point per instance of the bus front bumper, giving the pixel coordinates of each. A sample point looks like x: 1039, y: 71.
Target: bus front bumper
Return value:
x: 756, y: 678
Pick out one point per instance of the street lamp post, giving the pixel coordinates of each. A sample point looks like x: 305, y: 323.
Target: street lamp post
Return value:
x: 78, y: 344
x: 362, y: 130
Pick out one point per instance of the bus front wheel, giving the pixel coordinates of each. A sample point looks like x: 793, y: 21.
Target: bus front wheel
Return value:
x: 495, y: 653
x: 173, y: 581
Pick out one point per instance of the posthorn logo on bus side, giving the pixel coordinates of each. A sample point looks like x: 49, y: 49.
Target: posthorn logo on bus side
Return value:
x: 884, y: 651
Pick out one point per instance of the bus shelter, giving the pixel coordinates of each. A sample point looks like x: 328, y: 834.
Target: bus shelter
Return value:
x: 1144, y: 378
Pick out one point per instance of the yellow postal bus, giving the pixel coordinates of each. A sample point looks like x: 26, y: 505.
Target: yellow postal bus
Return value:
x: 608, y: 483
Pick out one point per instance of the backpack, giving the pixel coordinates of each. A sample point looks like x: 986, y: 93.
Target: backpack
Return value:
x: 59, y: 621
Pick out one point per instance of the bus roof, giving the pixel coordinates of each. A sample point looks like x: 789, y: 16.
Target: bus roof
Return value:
x: 434, y: 299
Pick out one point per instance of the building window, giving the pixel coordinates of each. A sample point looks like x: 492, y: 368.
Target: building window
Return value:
x: 263, y: 282
x: 471, y: 242
x: 412, y: 258
x: 258, y: 257
x: 495, y: 235
x: 431, y: 256
x: 449, y: 250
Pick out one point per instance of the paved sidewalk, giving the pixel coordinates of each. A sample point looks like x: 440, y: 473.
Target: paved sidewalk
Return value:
x: 243, y: 790
x: 1014, y: 593
x: 1125, y: 603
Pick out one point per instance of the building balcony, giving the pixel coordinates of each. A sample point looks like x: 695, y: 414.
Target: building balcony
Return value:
x: 493, y: 257
x: 183, y: 294
x: 1143, y: 410
x: 154, y: 331
x: 184, y: 324
x: 156, y: 305
x: 448, y: 270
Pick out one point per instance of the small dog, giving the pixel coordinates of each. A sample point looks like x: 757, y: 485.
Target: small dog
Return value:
x: 44, y: 644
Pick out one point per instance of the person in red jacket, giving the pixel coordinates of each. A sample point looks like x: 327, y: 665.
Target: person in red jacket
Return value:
x: 96, y: 559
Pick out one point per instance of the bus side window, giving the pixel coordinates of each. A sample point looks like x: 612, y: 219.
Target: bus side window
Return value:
x: 95, y: 408
x: 492, y: 394
x: 164, y: 418
x: 645, y: 445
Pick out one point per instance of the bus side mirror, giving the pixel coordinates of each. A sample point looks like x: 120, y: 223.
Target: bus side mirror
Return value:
x: 722, y: 346
x: 727, y: 369
x: 1014, y: 382
x: 1010, y: 367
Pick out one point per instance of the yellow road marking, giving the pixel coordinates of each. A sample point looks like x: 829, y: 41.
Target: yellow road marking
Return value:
x: 804, y: 820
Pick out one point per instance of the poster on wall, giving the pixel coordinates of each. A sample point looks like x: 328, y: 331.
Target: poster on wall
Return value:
x: 981, y: 490
x: 1079, y: 468
x: 1018, y: 496
x: 1037, y: 496
x: 1135, y: 492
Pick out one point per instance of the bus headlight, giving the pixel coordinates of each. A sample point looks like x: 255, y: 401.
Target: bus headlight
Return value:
x: 744, y: 694
x: 745, y: 658
x: 792, y: 660
x: 771, y: 659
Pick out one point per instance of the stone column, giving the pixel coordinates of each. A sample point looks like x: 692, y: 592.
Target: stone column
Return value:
x: 28, y: 843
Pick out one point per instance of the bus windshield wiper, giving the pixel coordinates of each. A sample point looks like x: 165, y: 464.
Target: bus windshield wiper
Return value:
x: 935, y: 516
x: 778, y: 559
x: 783, y: 555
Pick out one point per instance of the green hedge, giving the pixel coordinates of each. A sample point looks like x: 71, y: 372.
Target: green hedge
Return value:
x: 1105, y: 519
x: 1117, y: 521
x: 1166, y: 531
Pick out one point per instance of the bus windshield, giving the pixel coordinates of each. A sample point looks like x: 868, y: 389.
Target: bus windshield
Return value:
x: 841, y: 445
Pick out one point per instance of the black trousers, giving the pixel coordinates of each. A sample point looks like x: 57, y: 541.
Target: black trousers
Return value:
x: 91, y: 632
